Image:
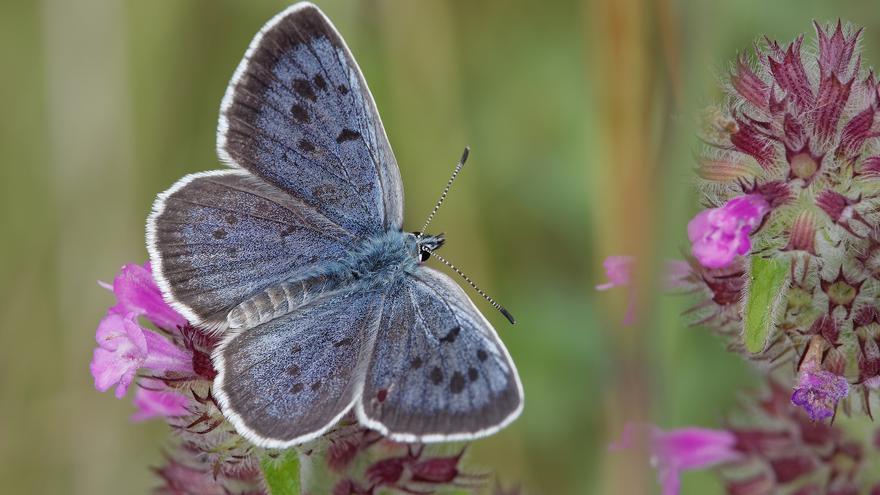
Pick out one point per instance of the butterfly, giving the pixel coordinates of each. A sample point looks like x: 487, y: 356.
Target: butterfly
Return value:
x: 297, y: 257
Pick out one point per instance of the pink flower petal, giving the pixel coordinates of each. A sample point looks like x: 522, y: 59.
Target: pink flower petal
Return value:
x: 164, y: 356
x: 136, y: 292
x: 121, y: 350
x: 679, y: 450
x: 618, y: 269
x: 124, y: 347
x: 158, y: 403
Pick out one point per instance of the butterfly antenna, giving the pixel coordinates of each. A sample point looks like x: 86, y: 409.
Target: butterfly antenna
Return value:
x: 470, y: 282
x: 458, y: 167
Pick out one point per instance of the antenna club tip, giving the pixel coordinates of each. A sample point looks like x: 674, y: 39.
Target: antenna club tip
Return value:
x: 465, y: 153
x: 507, y: 315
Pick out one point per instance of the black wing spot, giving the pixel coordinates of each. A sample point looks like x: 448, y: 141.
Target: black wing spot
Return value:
x: 297, y: 388
x: 304, y: 89
x: 319, y: 82
x: 306, y: 146
x: 296, y: 349
x: 342, y: 88
x: 473, y: 374
x: 219, y: 234
x: 345, y: 341
x: 481, y: 355
x: 300, y: 114
x: 347, y: 135
x: 436, y: 376
x: 451, y: 336
x: 326, y: 193
x: 316, y: 386
x: 416, y: 363
x: 293, y: 370
x: 456, y: 383
x: 231, y: 251
x: 231, y: 219
x: 289, y: 230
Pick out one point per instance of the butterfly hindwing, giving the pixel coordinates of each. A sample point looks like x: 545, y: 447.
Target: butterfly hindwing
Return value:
x: 288, y: 380
x: 298, y: 113
x: 438, y: 370
x: 217, y: 237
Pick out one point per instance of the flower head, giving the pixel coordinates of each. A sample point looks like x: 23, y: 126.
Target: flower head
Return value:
x: 818, y: 392
x: 136, y: 292
x: 124, y: 347
x: 683, y: 449
x: 718, y: 235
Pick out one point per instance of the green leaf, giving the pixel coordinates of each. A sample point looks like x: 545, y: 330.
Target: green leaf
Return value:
x: 764, y: 299
x: 281, y: 472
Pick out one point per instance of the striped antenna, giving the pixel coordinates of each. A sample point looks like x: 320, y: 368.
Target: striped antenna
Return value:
x: 458, y: 167
x: 470, y: 282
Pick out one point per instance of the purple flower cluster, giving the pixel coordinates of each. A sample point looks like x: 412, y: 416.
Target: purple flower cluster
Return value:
x: 790, y: 173
x: 124, y: 347
x: 172, y: 369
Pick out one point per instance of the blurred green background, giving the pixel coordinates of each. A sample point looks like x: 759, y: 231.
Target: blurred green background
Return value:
x: 581, y: 117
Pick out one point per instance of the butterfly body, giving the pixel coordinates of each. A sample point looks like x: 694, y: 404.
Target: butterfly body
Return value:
x: 297, y: 257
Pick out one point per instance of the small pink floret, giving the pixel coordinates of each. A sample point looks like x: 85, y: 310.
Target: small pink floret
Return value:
x: 618, y: 270
x: 680, y: 450
x: 158, y: 403
x: 124, y: 347
x: 718, y: 235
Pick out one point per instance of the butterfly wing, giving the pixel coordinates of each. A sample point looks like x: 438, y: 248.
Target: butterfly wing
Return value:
x: 289, y: 380
x: 298, y: 113
x: 438, y: 371
x: 217, y: 237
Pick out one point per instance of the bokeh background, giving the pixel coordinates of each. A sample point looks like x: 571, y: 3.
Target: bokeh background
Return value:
x: 581, y: 118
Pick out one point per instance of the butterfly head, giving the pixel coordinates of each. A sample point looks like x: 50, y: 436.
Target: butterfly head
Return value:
x: 427, y: 244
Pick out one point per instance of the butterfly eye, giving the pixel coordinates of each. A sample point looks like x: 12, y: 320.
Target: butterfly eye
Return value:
x: 424, y: 254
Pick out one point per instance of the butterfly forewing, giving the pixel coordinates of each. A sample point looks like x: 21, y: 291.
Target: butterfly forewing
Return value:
x: 216, y: 238
x: 438, y: 370
x: 298, y: 113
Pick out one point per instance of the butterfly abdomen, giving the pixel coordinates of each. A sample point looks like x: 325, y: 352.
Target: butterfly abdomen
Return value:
x: 275, y: 301
x: 376, y: 262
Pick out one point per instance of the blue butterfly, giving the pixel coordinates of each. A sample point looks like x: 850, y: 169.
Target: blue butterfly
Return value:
x: 297, y: 255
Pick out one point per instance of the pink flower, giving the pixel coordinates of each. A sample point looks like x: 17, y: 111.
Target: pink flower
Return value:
x: 124, y: 347
x: 153, y: 401
x: 618, y: 269
x: 679, y: 450
x: 718, y: 235
x: 136, y: 292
